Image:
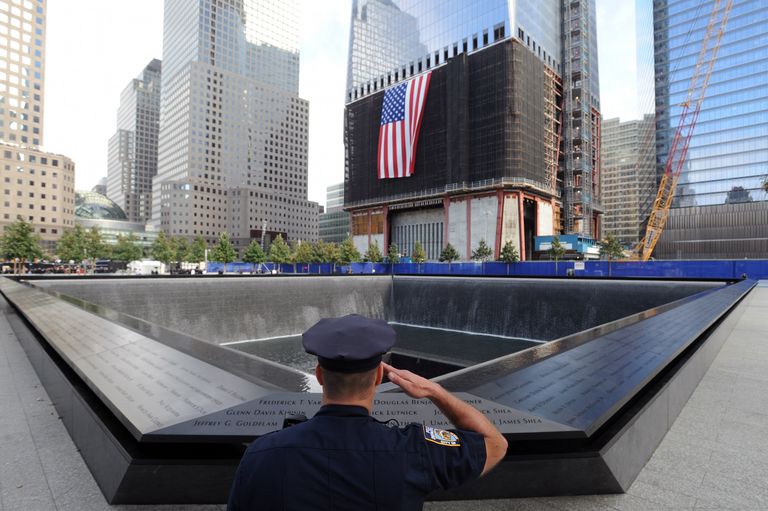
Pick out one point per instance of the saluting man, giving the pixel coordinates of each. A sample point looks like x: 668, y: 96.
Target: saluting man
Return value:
x: 342, y: 458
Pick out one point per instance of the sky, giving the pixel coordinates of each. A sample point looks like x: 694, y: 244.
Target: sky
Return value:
x: 94, y: 48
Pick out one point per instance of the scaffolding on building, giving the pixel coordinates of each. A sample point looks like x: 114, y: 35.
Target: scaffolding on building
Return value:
x: 553, y: 93
x: 579, y: 191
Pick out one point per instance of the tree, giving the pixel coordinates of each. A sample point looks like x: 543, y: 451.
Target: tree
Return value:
x: 161, y: 248
x: 254, y: 253
x: 765, y: 184
x: 304, y: 253
x: 95, y: 246
x: 509, y: 253
x: 327, y: 253
x: 126, y: 249
x: 373, y: 254
x: 279, y: 251
x: 180, y: 247
x: 348, y: 252
x: 610, y: 248
x: 72, y: 245
x: 449, y: 254
x: 557, y: 250
x: 418, y: 256
x: 393, y: 255
x: 19, y: 240
x: 483, y: 252
x: 224, y: 252
x: 196, y: 253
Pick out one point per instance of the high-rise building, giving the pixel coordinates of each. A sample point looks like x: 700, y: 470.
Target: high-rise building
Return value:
x: 629, y: 177
x: 334, y: 222
x: 719, y: 209
x: 509, y: 138
x: 38, y: 187
x: 132, y: 155
x: 232, y: 150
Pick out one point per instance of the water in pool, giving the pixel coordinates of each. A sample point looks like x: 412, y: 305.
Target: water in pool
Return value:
x: 450, y: 346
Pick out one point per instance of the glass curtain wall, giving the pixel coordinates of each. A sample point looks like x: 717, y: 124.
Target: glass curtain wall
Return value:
x: 728, y: 154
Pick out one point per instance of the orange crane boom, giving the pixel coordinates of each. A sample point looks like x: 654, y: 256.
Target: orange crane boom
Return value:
x: 690, y: 113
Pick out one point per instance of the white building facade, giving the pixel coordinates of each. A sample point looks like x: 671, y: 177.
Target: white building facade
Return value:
x: 232, y: 150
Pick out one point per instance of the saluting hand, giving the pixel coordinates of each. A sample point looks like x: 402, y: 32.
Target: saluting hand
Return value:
x: 412, y: 384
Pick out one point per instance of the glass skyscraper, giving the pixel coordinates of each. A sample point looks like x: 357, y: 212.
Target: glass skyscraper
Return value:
x: 719, y: 209
x: 547, y: 134
x: 232, y: 150
x: 389, y: 36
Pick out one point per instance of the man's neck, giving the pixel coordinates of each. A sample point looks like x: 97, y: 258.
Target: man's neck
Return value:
x: 366, y: 402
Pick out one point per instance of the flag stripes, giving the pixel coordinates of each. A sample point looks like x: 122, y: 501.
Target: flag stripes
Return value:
x: 401, y: 115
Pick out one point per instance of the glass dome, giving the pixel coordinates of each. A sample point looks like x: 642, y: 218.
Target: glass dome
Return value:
x: 94, y: 205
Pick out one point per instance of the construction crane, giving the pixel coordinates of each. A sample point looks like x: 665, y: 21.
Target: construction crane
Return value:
x: 690, y: 113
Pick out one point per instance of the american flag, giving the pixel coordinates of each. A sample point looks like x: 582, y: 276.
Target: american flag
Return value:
x: 401, y: 115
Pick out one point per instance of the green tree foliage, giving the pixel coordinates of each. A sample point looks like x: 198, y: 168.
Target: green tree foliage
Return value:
x: 327, y: 252
x: 254, y: 253
x: 348, y: 252
x: 71, y: 245
x: 557, y: 250
x: 279, y: 251
x: 419, y: 255
x: 224, y: 252
x: 393, y: 255
x: 95, y: 246
x: 126, y: 249
x: 373, y: 254
x: 509, y: 253
x: 180, y: 247
x: 483, y: 252
x: 162, y: 250
x: 304, y: 253
x: 449, y: 254
x: 610, y: 248
x: 19, y: 240
x: 196, y: 253
x: 78, y: 244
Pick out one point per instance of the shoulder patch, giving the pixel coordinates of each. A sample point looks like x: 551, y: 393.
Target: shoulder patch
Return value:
x: 441, y: 437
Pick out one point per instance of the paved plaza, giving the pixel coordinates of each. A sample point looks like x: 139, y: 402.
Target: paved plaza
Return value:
x: 714, y: 457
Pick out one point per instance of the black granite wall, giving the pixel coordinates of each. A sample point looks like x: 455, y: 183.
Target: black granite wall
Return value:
x: 540, y: 309
x: 230, y: 309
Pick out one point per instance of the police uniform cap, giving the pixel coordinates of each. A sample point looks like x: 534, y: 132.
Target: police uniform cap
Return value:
x: 349, y: 344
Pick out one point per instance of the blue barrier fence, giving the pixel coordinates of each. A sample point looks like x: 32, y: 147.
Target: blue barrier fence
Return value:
x: 715, y: 269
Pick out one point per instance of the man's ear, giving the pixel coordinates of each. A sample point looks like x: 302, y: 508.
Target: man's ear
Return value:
x: 319, y: 374
x: 379, y: 374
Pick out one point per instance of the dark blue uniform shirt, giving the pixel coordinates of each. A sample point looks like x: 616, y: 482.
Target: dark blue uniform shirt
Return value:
x: 344, y: 459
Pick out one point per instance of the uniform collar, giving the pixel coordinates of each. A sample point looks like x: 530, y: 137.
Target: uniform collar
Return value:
x: 342, y: 411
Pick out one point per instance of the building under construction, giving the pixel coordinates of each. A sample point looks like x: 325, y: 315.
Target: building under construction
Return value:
x: 508, y: 146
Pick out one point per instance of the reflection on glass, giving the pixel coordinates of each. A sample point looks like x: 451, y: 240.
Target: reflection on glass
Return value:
x: 728, y: 152
x: 393, y: 39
